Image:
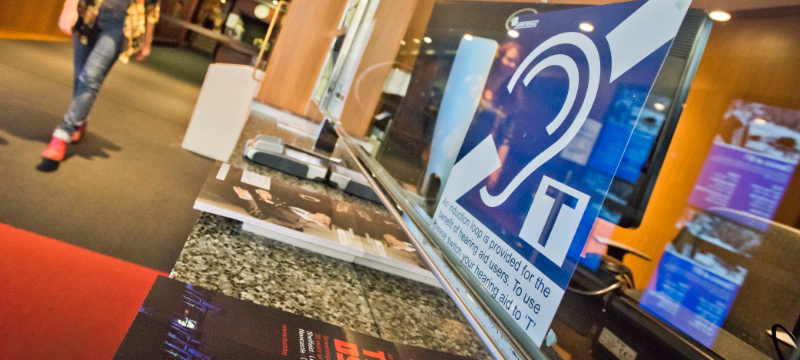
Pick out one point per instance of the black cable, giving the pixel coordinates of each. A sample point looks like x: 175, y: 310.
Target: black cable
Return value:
x: 775, y: 338
x: 629, y: 276
x: 603, y: 291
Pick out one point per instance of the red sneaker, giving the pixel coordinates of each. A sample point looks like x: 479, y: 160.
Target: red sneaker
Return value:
x: 77, y: 136
x: 55, y: 151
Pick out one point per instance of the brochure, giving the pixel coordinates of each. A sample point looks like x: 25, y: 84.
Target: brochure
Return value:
x: 345, y: 230
x: 182, y: 321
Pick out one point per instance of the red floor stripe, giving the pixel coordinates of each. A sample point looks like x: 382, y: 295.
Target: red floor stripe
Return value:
x: 59, y: 301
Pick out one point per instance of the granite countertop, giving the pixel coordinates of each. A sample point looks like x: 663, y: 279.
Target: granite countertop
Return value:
x: 221, y: 257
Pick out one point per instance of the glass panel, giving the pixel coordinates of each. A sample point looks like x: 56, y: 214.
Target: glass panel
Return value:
x: 704, y: 201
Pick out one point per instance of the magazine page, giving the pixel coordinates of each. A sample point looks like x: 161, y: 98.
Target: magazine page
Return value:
x: 179, y: 320
x: 342, y: 226
x: 383, y: 237
x: 346, y: 223
x: 250, y: 197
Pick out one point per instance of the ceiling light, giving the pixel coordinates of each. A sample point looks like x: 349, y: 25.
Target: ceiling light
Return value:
x: 586, y: 27
x: 468, y: 37
x: 274, y: 2
x: 760, y: 121
x: 416, y: 41
x: 659, y: 106
x: 402, y: 42
x: 261, y: 11
x: 719, y: 16
x: 427, y: 40
x: 513, y: 33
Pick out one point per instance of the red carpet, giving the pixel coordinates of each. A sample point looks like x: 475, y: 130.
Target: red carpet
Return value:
x: 58, y: 301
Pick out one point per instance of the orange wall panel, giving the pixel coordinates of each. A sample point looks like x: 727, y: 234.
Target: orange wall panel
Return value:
x: 31, y: 18
x: 750, y: 58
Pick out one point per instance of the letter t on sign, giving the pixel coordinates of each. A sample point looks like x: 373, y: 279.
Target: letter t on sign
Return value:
x: 560, y: 198
x: 553, y: 219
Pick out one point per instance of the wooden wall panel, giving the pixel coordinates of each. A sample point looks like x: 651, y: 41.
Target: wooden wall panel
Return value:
x: 300, y: 50
x: 752, y: 59
x: 392, y: 18
x: 31, y: 19
x: 310, y: 26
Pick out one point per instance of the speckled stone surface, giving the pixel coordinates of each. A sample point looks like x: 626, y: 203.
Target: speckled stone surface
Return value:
x: 411, y: 313
x: 221, y: 257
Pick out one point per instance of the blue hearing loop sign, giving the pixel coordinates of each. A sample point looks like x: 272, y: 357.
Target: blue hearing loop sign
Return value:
x: 515, y: 209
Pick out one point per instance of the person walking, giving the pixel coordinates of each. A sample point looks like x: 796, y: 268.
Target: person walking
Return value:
x: 102, y: 32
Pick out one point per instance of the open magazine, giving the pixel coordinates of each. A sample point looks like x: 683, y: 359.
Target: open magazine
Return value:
x: 341, y: 229
x: 181, y: 321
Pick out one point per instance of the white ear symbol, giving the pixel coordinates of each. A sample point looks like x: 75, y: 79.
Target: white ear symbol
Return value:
x: 586, y: 45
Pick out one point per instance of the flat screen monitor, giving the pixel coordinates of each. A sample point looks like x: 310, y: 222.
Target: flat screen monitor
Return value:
x: 653, y: 121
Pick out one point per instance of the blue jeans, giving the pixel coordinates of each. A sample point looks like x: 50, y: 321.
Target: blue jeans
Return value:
x: 93, y: 61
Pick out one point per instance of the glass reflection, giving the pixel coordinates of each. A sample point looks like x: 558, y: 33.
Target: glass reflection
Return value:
x: 731, y: 207
x: 408, y: 125
x: 730, y: 272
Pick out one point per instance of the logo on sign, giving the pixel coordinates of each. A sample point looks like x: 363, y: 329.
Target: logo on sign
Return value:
x: 524, y: 24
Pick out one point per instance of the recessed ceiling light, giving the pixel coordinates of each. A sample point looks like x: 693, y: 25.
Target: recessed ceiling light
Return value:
x: 659, y: 106
x: 427, y: 40
x: 586, y: 27
x: 719, y: 16
x: 760, y: 121
x: 402, y: 42
x: 416, y: 41
x: 468, y: 37
x: 513, y: 33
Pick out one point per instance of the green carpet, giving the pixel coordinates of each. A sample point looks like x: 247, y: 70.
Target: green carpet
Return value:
x: 127, y: 190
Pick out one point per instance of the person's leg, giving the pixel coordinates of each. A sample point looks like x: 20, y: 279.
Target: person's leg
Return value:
x: 101, y: 57
x: 58, y: 145
x: 81, y: 53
